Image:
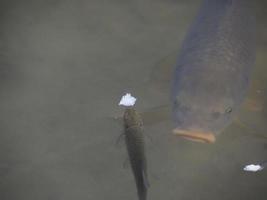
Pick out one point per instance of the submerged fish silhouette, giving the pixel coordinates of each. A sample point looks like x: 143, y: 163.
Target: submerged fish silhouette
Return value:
x: 212, y: 72
x: 133, y: 130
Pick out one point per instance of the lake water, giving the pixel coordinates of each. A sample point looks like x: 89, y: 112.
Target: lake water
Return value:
x: 64, y: 66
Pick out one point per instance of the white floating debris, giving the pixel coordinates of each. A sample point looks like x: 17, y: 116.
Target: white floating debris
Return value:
x: 253, y: 168
x: 127, y: 100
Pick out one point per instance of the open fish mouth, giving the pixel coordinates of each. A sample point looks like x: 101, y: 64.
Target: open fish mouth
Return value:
x: 197, y: 136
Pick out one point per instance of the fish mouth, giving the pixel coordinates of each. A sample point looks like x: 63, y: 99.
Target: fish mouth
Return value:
x: 197, y: 136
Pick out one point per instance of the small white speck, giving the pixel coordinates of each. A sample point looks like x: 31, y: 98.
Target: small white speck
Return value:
x: 127, y: 100
x: 253, y: 168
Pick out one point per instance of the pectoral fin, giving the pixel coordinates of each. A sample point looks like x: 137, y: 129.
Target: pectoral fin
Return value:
x: 250, y: 129
x: 119, y: 140
x: 156, y: 115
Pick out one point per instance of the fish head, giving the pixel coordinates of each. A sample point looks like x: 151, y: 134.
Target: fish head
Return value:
x: 131, y: 118
x: 201, y: 118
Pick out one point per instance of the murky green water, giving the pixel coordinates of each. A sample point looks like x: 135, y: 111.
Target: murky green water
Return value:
x: 63, y: 68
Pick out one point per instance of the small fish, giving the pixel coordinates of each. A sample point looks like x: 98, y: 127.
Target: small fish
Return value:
x: 133, y: 130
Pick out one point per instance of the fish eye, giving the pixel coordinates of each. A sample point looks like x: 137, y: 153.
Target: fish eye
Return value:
x: 228, y: 110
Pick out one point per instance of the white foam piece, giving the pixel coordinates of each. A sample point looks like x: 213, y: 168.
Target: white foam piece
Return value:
x: 127, y: 100
x: 253, y: 168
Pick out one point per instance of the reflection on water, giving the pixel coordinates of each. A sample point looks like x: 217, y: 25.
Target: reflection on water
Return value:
x: 64, y: 66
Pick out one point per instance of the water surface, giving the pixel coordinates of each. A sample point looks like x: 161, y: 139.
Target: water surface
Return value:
x: 63, y: 68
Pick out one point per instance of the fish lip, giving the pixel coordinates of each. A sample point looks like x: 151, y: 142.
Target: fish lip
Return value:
x: 195, y: 135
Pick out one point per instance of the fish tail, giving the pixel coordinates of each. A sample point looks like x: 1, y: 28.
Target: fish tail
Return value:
x: 142, y: 187
x: 142, y: 193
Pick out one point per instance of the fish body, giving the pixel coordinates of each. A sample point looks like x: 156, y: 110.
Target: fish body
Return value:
x: 213, y: 69
x: 133, y: 130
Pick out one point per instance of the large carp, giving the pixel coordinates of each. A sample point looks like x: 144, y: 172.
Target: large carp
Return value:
x: 213, y: 68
